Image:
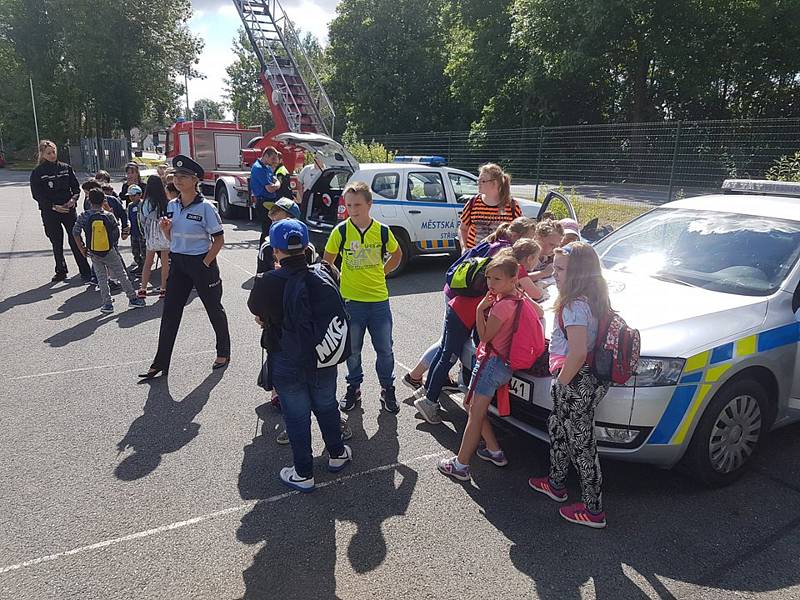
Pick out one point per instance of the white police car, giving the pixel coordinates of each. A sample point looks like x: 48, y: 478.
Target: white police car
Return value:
x: 713, y: 285
x: 420, y: 198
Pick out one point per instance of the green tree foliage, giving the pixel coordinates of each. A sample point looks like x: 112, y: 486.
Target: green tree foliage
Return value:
x: 208, y: 109
x: 786, y: 168
x: 243, y: 87
x: 100, y: 65
x: 366, y: 152
x: 387, y: 61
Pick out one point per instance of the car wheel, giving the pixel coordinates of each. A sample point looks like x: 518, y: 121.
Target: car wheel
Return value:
x: 405, y: 246
x: 226, y: 209
x: 729, y: 433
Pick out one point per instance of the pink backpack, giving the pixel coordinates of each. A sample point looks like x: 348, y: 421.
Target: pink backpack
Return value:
x: 527, y: 342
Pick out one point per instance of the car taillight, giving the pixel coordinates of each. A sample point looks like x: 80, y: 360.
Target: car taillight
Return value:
x: 341, y: 211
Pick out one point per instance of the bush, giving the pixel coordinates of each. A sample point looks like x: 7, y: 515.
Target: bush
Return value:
x: 786, y: 168
x: 366, y: 152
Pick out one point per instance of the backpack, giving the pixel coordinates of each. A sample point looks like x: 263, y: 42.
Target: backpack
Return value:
x: 101, y: 233
x: 342, y: 229
x: 467, y: 275
x: 527, y: 342
x: 316, y: 326
x: 615, y: 354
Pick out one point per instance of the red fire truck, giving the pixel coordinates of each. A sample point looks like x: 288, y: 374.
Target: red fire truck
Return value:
x: 297, y: 101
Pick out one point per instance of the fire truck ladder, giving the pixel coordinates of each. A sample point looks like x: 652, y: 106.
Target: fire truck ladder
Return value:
x: 283, y: 62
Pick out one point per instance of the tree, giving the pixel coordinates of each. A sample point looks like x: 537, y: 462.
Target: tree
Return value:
x: 208, y: 109
x: 243, y: 88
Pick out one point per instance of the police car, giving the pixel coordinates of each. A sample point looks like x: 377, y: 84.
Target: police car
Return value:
x: 713, y: 285
x: 420, y: 198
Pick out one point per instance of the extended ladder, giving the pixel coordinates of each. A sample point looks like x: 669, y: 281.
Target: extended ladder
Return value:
x: 302, y: 100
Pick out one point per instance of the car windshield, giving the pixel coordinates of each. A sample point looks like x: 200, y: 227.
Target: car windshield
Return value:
x: 724, y: 252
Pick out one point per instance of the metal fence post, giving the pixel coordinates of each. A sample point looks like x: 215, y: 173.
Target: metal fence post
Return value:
x: 449, y: 141
x: 674, y: 160
x: 538, y: 165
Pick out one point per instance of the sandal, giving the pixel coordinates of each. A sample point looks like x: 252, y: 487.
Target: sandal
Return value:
x: 141, y: 293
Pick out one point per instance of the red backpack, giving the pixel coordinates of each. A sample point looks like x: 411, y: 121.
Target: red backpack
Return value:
x: 527, y: 343
x: 615, y: 354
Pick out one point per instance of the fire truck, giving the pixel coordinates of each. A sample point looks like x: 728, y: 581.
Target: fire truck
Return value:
x: 297, y: 101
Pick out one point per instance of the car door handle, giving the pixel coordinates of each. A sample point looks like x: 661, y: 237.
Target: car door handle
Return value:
x: 414, y: 212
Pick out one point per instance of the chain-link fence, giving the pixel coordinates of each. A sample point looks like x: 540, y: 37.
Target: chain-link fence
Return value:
x: 633, y: 165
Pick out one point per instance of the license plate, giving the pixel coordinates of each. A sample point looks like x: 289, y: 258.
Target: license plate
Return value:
x: 521, y: 389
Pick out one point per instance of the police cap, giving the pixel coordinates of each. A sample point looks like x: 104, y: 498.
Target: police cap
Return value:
x: 184, y: 165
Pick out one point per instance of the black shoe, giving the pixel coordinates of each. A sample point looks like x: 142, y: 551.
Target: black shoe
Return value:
x: 152, y: 373
x: 351, y: 398
x: 59, y: 277
x: 412, y: 383
x: 220, y: 365
x: 389, y: 401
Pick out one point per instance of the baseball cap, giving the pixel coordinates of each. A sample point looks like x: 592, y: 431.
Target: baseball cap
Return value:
x: 290, y: 206
x: 570, y: 226
x: 134, y: 189
x: 289, y: 234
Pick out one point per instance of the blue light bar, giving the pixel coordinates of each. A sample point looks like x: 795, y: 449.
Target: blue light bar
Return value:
x: 433, y: 161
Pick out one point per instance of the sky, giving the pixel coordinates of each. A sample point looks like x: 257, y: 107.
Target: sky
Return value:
x: 216, y: 22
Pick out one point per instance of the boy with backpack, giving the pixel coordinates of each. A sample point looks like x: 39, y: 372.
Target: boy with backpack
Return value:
x: 306, y: 332
x: 102, y: 233
x: 362, y: 243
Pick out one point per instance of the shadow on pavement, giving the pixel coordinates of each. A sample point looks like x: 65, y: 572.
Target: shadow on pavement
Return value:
x: 423, y: 274
x: 298, y: 558
x: 165, y: 426
x: 39, y: 294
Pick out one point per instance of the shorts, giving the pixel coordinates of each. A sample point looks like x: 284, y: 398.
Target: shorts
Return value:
x: 489, y: 374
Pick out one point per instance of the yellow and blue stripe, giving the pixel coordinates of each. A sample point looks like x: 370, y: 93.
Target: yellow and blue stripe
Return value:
x: 706, y: 368
x: 436, y: 244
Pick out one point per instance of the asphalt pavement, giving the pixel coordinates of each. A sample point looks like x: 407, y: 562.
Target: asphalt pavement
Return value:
x: 113, y: 489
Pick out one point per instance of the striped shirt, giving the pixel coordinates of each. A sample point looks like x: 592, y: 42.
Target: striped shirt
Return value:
x: 483, y: 219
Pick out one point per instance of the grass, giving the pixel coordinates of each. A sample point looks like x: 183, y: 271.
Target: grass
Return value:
x: 21, y: 165
x: 586, y: 209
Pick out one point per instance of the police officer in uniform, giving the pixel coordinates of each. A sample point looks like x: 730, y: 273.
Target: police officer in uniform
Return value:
x: 194, y: 229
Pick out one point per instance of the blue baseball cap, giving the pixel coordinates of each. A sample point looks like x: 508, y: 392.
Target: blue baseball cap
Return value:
x: 289, y: 234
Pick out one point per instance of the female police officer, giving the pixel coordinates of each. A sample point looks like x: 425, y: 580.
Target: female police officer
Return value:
x: 194, y: 229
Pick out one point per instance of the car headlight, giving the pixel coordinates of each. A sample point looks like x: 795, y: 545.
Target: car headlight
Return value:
x: 653, y: 372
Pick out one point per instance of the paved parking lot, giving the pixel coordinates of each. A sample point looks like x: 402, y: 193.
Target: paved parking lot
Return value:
x: 113, y: 489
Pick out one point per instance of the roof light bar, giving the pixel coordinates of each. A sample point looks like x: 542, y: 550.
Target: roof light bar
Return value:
x: 433, y: 161
x: 761, y: 186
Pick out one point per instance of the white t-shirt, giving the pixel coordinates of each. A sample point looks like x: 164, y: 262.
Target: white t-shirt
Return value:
x: 309, y: 175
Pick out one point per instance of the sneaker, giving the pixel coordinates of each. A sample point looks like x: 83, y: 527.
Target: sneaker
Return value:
x: 412, y: 383
x: 275, y: 401
x: 136, y: 303
x: 93, y: 280
x: 389, y: 401
x: 290, y: 477
x: 543, y: 486
x: 449, y: 468
x: 337, y: 464
x: 107, y: 308
x: 140, y: 293
x: 351, y: 398
x: 578, y: 513
x: 283, y: 438
x: 347, y: 433
x: 59, y: 277
x: 451, y: 386
x: 429, y: 410
x: 498, y: 458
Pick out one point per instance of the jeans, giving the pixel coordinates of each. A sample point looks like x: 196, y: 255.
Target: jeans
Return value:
x: 375, y: 317
x: 489, y: 374
x: 455, y: 336
x: 303, y: 391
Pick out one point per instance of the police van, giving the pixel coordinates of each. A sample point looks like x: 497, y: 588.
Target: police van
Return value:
x: 419, y: 198
x: 713, y: 284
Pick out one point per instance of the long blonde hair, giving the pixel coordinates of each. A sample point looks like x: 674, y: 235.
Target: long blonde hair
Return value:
x: 44, y: 145
x: 583, y: 279
x: 523, y: 227
x: 503, y: 179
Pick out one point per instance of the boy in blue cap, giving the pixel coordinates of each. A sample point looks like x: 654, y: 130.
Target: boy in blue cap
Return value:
x: 138, y: 244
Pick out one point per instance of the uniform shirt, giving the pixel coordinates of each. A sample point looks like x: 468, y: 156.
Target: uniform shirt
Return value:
x: 282, y: 175
x: 193, y: 226
x: 483, y: 219
x: 308, y: 176
x: 363, y: 279
x: 261, y: 176
x: 53, y: 183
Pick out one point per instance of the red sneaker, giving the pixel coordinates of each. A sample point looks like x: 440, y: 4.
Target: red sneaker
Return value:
x: 578, y: 513
x: 543, y: 486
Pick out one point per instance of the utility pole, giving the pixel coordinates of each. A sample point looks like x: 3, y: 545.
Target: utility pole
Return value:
x: 35, y: 120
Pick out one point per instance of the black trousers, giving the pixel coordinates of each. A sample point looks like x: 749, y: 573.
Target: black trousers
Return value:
x: 262, y: 216
x: 187, y: 272
x: 54, y: 225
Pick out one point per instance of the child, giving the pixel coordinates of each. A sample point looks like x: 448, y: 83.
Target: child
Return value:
x: 103, y: 253
x: 548, y: 236
x: 112, y: 205
x: 582, y: 297
x: 458, y: 325
x: 283, y: 209
x: 103, y: 176
x: 494, y: 320
x: 154, y: 206
x: 361, y: 241
x: 138, y: 245
x: 572, y: 231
